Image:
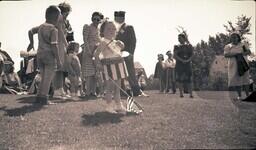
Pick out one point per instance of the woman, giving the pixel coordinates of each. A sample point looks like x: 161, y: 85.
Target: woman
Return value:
x: 91, y: 41
x: 63, y: 29
x: 232, y: 52
x: 65, y: 9
x: 183, y: 54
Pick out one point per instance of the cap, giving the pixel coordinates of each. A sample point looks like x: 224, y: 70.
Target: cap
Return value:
x: 168, y: 53
x: 119, y: 14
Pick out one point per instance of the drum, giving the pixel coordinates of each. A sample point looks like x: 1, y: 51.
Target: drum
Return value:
x: 114, y: 68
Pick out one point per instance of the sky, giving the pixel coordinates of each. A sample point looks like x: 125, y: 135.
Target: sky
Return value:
x: 155, y: 22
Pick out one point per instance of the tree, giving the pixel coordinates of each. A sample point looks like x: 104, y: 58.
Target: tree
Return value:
x: 243, y: 26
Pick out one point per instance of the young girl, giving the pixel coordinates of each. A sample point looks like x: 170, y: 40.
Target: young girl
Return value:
x: 111, y: 64
x: 73, y: 68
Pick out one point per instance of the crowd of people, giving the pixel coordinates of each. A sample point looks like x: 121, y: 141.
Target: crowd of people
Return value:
x: 58, y: 70
x: 105, y: 66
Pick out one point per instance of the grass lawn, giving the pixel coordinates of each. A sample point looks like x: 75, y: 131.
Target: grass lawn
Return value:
x: 209, y: 120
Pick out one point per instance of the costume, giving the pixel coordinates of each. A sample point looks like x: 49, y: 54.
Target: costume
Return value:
x: 183, y: 70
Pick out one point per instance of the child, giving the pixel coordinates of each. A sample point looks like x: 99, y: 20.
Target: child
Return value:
x: 142, y: 83
x: 160, y: 71
x: 47, y: 55
x: 109, y: 61
x: 73, y: 68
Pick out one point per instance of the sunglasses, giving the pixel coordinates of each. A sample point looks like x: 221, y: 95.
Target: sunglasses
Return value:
x: 96, y: 19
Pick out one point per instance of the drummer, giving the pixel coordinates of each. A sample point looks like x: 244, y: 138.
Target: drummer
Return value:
x: 112, y: 67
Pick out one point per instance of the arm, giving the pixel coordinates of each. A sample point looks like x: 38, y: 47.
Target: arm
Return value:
x: 246, y: 50
x: 31, y: 32
x: 132, y: 39
x: 17, y: 78
x: 176, y: 56
x: 54, y: 46
x: 228, y: 53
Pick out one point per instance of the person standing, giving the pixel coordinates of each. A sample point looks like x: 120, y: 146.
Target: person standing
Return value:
x: 111, y: 66
x: 91, y: 39
x: 63, y: 29
x: 183, y: 54
x: 126, y: 34
x: 232, y: 52
x: 160, y: 72
x: 170, y: 64
x: 48, y: 53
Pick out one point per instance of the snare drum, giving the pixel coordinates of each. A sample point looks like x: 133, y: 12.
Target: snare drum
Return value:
x: 114, y: 68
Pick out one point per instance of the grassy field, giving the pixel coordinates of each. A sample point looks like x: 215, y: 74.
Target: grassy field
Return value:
x: 209, y: 121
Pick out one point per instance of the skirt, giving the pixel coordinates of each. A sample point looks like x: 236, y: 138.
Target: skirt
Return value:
x: 113, y: 68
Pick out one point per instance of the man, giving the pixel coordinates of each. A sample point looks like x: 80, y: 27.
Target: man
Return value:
x: 170, y: 64
x: 126, y: 34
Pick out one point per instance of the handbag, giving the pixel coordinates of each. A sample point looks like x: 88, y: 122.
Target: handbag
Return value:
x: 242, y: 65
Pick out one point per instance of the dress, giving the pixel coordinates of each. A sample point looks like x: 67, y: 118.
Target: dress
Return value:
x: 233, y: 78
x: 183, y: 70
x: 160, y: 73
x: 91, y: 40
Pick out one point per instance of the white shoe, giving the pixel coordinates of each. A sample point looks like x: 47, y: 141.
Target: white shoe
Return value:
x: 120, y: 108
x: 75, y: 98
x: 143, y: 94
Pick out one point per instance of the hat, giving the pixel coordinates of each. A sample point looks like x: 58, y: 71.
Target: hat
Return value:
x: 119, y: 14
x: 160, y: 56
x: 168, y: 53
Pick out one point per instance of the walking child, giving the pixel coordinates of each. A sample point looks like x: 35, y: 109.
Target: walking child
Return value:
x: 111, y: 64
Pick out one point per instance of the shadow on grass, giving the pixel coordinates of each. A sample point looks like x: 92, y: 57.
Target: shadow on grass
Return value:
x: 12, y: 112
x: 101, y: 118
x: 27, y: 99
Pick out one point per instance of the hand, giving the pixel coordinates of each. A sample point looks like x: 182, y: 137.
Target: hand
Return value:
x: 30, y: 46
x: 59, y: 64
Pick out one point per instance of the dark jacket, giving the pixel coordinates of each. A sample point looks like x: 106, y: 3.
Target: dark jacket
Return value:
x: 126, y: 34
